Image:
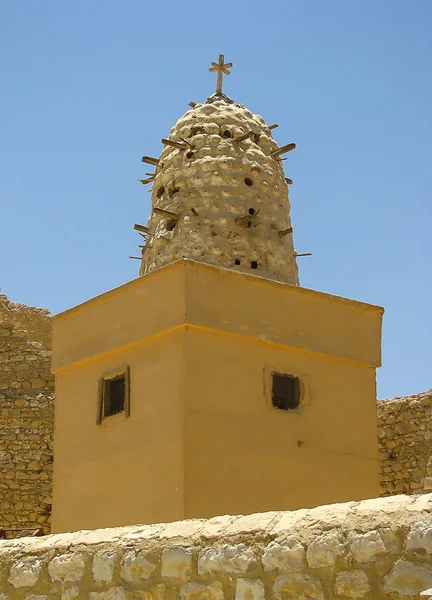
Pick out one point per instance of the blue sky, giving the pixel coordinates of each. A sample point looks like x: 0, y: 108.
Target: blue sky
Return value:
x: 89, y: 87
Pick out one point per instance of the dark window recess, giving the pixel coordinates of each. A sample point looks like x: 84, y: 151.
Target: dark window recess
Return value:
x: 254, y: 264
x: 237, y: 261
x: 114, y: 396
x: 170, y: 224
x: 285, y: 391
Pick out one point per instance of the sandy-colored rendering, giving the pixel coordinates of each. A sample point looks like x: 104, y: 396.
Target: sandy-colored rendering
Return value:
x: 201, y: 377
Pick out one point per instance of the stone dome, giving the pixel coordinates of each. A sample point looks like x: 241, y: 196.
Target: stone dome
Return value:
x: 219, y: 199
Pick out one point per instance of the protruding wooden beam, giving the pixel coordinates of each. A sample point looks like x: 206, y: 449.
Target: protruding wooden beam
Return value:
x: 288, y: 180
x: 285, y: 232
x: 165, y: 213
x: 142, y: 228
x: 150, y: 160
x: 151, y: 175
x: 304, y: 254
x: 192, y: 104
x: 194, y: 212
x: 282, y: 150
x: 136, y: 257
x: 273, y: 126
x: 145, y: 181
x: 173, y: 144
x: 243, y: 137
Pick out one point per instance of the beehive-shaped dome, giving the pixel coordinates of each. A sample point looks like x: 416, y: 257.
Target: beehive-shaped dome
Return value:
x: 220, y: 196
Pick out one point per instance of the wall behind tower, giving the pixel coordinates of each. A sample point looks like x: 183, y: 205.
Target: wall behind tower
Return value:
x: 405, y: 444
x: 26, y: 417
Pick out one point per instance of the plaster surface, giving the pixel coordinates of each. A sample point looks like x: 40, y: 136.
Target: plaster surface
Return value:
x: 203, y: 437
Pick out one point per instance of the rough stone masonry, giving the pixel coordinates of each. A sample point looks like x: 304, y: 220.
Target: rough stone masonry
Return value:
x: 405, y: 444
x: 378, y: 549
x: 26, y: 416
x: 220, y: 197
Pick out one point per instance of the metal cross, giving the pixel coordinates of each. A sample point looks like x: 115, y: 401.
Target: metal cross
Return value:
x: 220, y: 67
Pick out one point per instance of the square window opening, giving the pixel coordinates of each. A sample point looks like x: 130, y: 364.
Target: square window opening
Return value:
x: 114, y: 395
x: 286, y: 391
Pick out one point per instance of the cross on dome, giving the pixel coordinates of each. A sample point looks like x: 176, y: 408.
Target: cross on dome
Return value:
x: 221, y: 67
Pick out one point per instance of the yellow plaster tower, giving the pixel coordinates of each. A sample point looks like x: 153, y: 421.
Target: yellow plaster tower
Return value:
x: 214, y: 383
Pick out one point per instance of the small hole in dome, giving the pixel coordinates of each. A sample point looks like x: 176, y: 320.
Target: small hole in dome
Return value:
x: 173, y: 191
x: 189, y: 154
x: 248, y: 181
x: 249, y: 223
x: 251, y: 211
x: 171, y: 223
x: 254, y: 264
x: 227, y: 134
x: 160, y: 191
x: 237, y: 261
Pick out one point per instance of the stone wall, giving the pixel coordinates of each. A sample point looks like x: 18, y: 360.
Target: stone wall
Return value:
x: 26, y: 417
x: 375, y: 549
x: 405, y: 444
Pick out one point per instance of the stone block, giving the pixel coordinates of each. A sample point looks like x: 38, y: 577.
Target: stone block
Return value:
x: 135, y: 567
x: 420, y: 538
x: 298, y: 586
x: 197, y: 591
x: 155, y: 593
x: 25, y: 572
x: 249, y: 589
x: 325, y: 550
x: 226, y: 558
x: 67, y: 567
x: 284, y: 554
x: 177, y: 562
x: 351, y: 584
x: 408, y: 578
x: 103, y: 566
x: 366, y: 547
x: 70, y: 594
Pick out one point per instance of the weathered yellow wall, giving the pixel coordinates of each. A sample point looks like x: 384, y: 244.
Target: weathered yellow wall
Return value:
x: 202, y: 438
x: 242, y: 455
x: 123, y: 471
x: 372, y: 550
